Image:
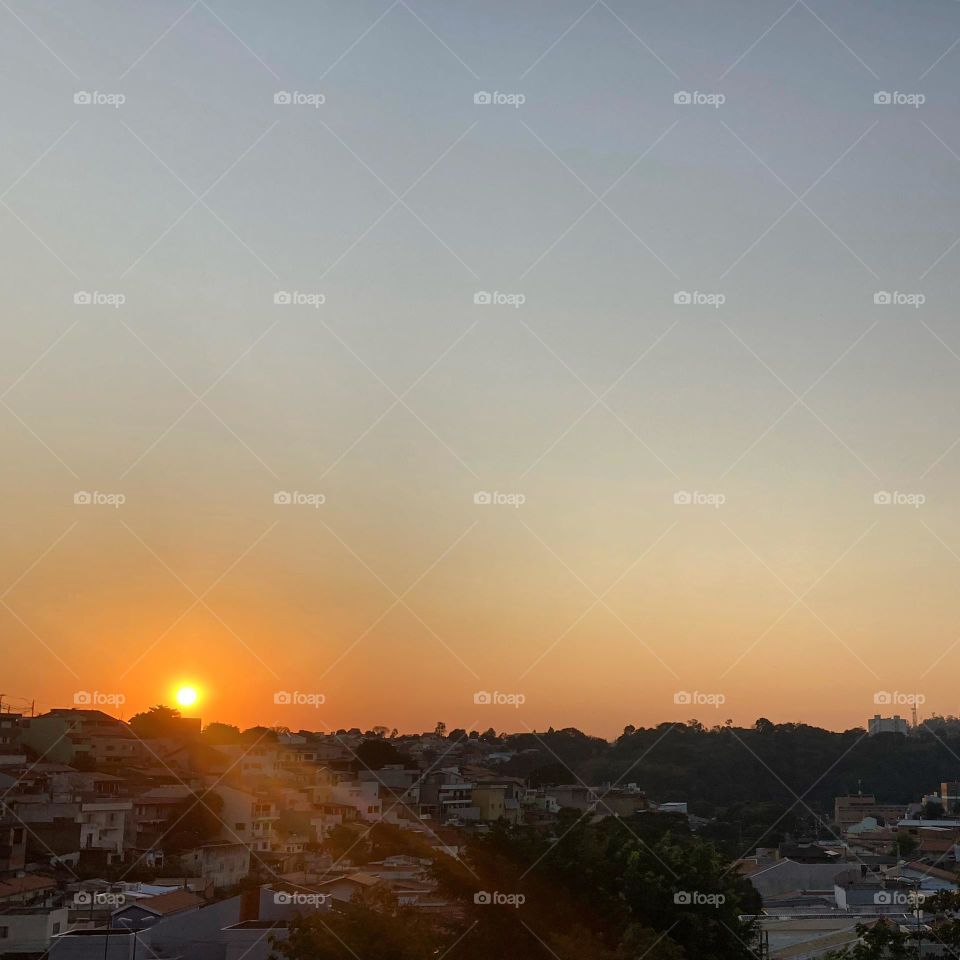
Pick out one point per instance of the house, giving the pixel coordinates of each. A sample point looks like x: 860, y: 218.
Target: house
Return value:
x: 143, y: 914
x: 99, y: 942
x: 154, y: 810
x: 64, y: 734
x: 772, y: 878
x: 222, y: 864
x: 249, y: 818
x: 13, y: 845
x: 103, y: 827
x: 347, y: 887
x: 849, y: 811
x: 576, y: 796
x: 32, y: 890
x: 29, y: 931
x: 10, y: 732
x: 929, y: 879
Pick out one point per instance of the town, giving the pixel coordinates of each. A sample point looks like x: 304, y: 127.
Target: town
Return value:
x: 160, y: 837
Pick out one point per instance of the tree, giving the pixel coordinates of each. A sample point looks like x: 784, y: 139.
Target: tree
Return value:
x: 195, y: 821
x: 219, y: 734
x: 255, y: 734
x: 375, y: 754
x: 440, y: 730
x: 345, y: 843
x: 158, y: 721
x: 904, y: 844
x: 372, y: 926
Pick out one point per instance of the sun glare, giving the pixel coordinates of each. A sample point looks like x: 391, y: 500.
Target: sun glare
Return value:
x: 187, y: 696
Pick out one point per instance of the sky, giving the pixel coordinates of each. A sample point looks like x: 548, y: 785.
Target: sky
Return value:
x: 361, y: 363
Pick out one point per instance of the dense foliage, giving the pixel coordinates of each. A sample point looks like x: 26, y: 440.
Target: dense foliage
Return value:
x: 723, y: 765
x: 614, y: 889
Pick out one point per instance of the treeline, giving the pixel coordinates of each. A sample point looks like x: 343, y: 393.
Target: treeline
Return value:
x: 724, y: 764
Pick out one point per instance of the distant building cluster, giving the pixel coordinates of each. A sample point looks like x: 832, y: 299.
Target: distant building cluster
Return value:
x: 881, y: 863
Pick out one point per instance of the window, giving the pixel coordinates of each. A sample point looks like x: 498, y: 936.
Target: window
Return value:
x: 4, y: 933
x: 18, y: 835
x: 240, y: 826
x: 56, y: 928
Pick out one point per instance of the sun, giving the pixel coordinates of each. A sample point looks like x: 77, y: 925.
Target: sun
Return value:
x: 187, y: 696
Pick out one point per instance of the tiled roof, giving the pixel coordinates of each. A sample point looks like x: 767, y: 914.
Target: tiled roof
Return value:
x: 167, y: 903
x: 21, y: 885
